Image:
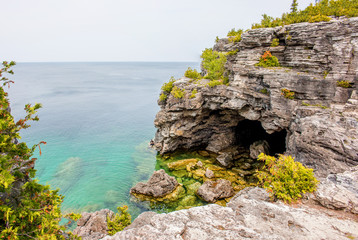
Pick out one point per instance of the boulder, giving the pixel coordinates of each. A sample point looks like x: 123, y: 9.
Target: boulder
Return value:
x: 158, y: 185
x: 258, y: 147
x: 211, y: 191
x: 225, y: 159
x: 209, y: 173
x: 93, y: 226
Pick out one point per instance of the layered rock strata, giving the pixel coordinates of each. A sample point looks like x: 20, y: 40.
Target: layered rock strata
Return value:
x: 318, y: 127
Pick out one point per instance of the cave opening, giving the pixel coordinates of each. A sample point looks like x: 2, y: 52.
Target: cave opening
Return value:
x: 248, y: 131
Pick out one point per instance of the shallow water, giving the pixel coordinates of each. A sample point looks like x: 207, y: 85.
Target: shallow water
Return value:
x: 97, y: 120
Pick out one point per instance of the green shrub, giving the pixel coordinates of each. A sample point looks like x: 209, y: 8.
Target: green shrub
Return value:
x: 319, y: 18
x: 118, y: 221
x: 314, y: 105
x: 284, y: 178
x: 193, y: 93
x: 192, y: 74
x: 344, y: 84
x: 217, y: 39
x: 275, y: 42
x: 235, y: 35
x: 167, y: 87
x: 264, y: 91
x: 30, y: 211
x: 233, y: 52
x: 287, y: 93
x: 163, y: 97
x: 214, y: 83
x: 177, y: 92
x: 267, y: 60
x: 214, y: 63
x: 319, y: 11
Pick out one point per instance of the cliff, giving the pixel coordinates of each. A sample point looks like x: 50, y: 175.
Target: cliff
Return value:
x: 318, y: 127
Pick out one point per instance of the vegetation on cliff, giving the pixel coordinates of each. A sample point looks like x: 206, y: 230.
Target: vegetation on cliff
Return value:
x: 313, y: 13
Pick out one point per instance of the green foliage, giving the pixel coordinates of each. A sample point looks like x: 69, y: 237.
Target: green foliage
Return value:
x: 313, y: 13
x: 118, y: 221
x: 31, y: 211
x: 214, y: 83
x: 314, y: 105
x: 167, y: 87
x: 294, y: 6
x: 163, y: 97
x: 193, y: 74
x: 264, y: 91
x: 267, y: 60
x: 217, y: 39
x: 287, y: 93
x: 177, y: 92
x: 325, y: 74
x: 214, y: 63
x: 235, y: 35
x: 284, y: 178
x: 344, y: 84
x: 233, y: 52
x: 275, y: 42
x: 193, y: 93
x: 319, y: 18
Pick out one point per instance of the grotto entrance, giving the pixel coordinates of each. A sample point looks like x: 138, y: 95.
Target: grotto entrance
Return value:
x: 248, y: 132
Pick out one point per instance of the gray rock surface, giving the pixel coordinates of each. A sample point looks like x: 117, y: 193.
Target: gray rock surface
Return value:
x: 225, y: 159
x: 249, y: 215
x: 339, y: 191
x: 258, y: 147
x: 209, y: 173
x: 93, y: 226
x: 211, y: 191
x: 158, y: 185
x: 321, y: 122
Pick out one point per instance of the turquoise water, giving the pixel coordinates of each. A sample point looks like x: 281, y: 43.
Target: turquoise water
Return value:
x: 97, y: 120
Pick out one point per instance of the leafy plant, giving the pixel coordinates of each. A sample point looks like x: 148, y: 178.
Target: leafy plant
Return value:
x: 284, y: 178
x: 264, y: 91
x: 317, y: 12
x: 314, y: 105
x: 214, y: 63
x: 190, y: 73
x: 31, y: 210
x: 163, y: 97
x: 167, y: 87
x: 275, y: 42
x: 319, y: 18
x: 193, y: 93
x: 214, y: 83
x: 344, y: 84
x: 233, y: 52
x: 287, y: 93
x: 267, y: 60
x: 325, y: 74
x: 217, y: 39
x: 235, y: 35
x: 118, y: 221
x: 177, y: 92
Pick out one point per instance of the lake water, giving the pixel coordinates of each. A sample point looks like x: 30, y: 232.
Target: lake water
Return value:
x: 97, y: 120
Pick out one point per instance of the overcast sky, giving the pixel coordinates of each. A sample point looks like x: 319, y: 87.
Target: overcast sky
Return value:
x: 118, y: 30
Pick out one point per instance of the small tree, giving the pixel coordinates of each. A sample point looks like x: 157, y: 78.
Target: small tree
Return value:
x: 294, y: 6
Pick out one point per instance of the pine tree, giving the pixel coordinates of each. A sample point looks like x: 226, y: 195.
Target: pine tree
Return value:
x: 294, y: 6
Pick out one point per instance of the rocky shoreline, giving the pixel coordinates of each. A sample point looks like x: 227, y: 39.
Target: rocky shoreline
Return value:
x: 229, y: 125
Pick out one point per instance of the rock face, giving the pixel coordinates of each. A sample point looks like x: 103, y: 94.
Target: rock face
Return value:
x: 339, y: 191
x: 249, y: 215
x: 318, y: 127
x: 211, y: 191
x: 93, y: 226
x: 158, y: 185
x: 259, y: 147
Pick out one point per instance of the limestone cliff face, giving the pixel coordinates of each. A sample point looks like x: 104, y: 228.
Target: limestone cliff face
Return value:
x: 318, y: 127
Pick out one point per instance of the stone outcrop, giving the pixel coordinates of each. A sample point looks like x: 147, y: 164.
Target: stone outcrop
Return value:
x: 318, y: 127
x: 339, y: 191
x: 259, y: 147
x: 93, y: 226
x: 211, y: 191
x: 158, y: 185
x: 249, y: 215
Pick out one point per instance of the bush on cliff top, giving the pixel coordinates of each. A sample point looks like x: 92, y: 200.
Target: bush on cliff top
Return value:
x: 284, y: 178
x: 214, y: 64
x: 313, y: 13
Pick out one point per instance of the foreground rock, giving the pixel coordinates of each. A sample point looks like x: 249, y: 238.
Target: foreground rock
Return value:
x: 249, y: 215
x: 158, y: 185
x: 211, y: 191
x: 93, y: 226
x: 318, y: 127
x: 339, y: 191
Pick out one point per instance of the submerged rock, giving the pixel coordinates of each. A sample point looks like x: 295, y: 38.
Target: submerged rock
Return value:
x: 158, y: 185
x: 211, y: 191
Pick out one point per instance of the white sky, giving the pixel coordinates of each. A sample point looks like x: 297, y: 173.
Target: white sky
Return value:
x: 118, y: 30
